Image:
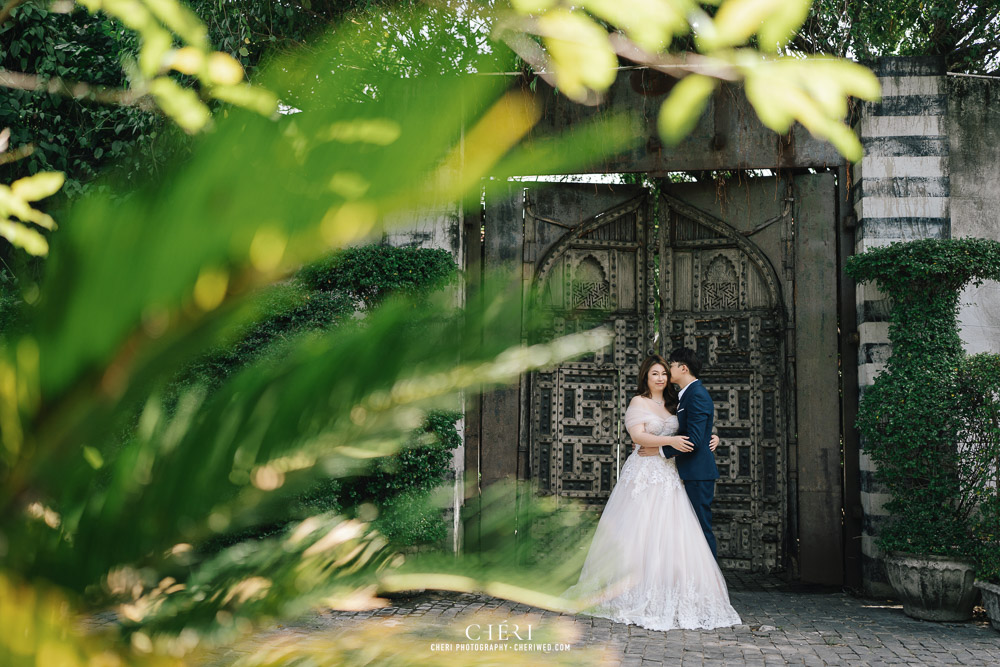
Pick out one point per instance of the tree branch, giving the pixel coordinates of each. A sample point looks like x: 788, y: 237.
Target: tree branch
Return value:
x: 76, y: 90
x: 675, y: 65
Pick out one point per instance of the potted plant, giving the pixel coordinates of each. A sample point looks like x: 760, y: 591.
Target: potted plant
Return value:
x: 910, y: 424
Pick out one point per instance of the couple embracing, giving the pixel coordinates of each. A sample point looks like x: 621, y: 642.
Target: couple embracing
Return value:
x: 652, y: 561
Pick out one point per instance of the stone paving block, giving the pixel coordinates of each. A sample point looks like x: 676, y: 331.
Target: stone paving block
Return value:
x: 808, y: 628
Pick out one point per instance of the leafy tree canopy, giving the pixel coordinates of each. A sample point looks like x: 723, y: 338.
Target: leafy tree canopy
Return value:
x: 965, y: 32
x: 82, y: 137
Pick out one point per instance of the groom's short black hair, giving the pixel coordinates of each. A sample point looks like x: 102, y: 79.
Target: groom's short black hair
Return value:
x: 687, y: 356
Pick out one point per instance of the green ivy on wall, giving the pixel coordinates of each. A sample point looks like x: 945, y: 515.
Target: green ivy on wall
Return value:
x: 909, y: 418
x: 77, y: 137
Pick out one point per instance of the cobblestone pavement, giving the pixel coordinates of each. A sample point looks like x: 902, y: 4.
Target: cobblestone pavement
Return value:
x: 783, y: 625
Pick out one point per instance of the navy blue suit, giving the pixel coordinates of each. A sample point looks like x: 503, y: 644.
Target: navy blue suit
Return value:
x: 696, y: 415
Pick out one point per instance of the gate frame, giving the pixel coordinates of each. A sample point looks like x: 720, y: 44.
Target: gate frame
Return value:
x: 718, y: 143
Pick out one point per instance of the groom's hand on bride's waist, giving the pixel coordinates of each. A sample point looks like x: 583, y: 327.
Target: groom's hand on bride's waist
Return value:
x: 649, y: 451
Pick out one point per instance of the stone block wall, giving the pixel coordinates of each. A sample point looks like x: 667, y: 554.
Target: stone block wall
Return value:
x: 901, y: 192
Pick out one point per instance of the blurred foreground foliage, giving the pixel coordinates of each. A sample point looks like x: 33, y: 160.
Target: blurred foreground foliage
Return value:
x: 126, y: 483
x: 148, y: 58
x: 119, y: 480
x: 332, y: 292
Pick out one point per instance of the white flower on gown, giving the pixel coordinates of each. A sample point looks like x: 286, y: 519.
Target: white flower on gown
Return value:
x: 649, y: 563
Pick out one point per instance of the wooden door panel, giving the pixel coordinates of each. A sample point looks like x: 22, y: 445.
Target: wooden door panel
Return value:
x: 721, y: 299
x: 597, y: 273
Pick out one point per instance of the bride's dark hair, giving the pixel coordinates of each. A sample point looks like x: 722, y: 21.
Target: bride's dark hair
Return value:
x: 670, y: 399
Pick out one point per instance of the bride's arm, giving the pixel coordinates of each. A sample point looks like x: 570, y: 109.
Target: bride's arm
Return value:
x: 647, y: 440
x: 651, y: 444
x: 643, y: 439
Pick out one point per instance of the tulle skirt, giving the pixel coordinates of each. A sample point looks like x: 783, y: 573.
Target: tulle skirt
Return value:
x: 649, y: 563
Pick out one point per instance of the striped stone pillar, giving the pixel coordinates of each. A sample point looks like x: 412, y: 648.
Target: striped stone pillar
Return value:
x: 900, y: 191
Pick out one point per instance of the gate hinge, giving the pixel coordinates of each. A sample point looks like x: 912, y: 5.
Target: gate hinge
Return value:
x: 530, y: 253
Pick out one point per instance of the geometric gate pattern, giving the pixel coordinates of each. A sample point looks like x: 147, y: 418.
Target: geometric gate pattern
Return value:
x: 716, y: 293
x: 721, y: 298
x: 598, y: 274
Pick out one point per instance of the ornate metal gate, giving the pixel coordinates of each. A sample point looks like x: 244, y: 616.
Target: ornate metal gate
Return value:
x: 600, y: 272
x: 721, y: 297
x: 714, y: 291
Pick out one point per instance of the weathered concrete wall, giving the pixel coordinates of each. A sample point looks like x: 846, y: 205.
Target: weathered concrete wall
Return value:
x: 901, y: 193
x: 974, y: 165
x: 727, y: 136
x: 437, y: 227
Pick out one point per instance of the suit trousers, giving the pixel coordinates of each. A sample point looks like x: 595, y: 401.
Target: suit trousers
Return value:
x: 701, y: 492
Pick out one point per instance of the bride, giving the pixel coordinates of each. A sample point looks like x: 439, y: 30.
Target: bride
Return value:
x: 649, y: 563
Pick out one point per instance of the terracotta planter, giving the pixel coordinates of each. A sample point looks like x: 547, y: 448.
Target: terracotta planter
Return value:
x: 991, y: 601
x: 933, y: 588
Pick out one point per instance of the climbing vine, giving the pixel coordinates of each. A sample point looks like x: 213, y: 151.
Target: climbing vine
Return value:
x: 909, y: 418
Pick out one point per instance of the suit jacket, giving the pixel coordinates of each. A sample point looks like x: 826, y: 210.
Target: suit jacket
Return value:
x: 696, y: 414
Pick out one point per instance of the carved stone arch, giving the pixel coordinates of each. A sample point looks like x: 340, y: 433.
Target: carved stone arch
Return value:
x: 615, y: 220
x: 720, y: 233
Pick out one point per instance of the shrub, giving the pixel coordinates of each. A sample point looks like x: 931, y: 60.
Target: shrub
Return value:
x: 370, y: 273
x: 324, y: 295
x: 908, y: 418
x: 11, y: 305
x: 284, y: 312
x: 400, y: 485
x: 411, y: 519
x: 978, y: 402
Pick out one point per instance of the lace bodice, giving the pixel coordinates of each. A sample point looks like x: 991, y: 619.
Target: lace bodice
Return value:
x: 658, y: 426
x: 639, y: 412
x: 644, y: 471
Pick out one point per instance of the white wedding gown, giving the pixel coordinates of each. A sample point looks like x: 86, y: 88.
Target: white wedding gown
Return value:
x: 649, y: 563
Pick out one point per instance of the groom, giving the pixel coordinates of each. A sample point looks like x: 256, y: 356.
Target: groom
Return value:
x: 696, y: 415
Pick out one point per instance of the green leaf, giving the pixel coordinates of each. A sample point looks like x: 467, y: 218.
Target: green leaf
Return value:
x: 532, y: 6
x: 182, y: 21
x: 844, y: 140
x: 770, y: 108
x: 581, y: 52
x: 849, y: 77
x: 156, y: 44
x: 649, y: 23
x: 181, y: 104
x: 39, y: 186
x: 250, y: 97
x: 682, y: 109
x: 786, y: 19
x: 24, y: 237
x: 737, y: 20
x: 93, y: 457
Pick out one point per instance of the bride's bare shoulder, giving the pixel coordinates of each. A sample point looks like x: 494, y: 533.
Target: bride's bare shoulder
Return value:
x: 636, y: 400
